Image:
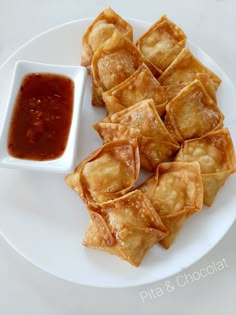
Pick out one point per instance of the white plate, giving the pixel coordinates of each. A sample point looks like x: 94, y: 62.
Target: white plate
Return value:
x: 45, y: 221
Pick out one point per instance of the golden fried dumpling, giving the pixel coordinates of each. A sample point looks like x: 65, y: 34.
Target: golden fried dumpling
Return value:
x: 109, y: 131
x: 114, y: 62
x: 175, y: 192
x: 100, y: 30
x: 162, y: 42
x: 173, y: 90
x: 127, y: 227
x: 143, y: 122
x: 184, y: 69
x: 109, y: 172
x: 216, y: 156
x: 139, y: 86
x: 143, y: 116
x: 154, y: 151
x: 208, y: 85
x: 192, y: 113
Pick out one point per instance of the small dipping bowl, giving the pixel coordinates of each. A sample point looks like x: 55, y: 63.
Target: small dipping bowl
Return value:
x: 65, y: 162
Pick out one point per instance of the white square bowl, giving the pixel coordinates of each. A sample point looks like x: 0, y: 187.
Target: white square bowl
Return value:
x: 66, y: 162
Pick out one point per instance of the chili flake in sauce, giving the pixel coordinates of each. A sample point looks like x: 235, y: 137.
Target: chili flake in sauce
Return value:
x: 42, y: 117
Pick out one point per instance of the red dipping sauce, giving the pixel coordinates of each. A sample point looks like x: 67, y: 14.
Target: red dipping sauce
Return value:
x: 41, y: 118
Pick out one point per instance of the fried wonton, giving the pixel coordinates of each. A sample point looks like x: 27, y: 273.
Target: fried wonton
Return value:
x: 114, y: 62
x: 127, y: 227
x: 184, y: 69
x: 139, y: 86
x: 208, y: 85
x: 143, y: 122
x: 109, y: 172
x: 173, y: 90
x: 176, y: 193
x: 216, y: 156
x: 192, y: 113
x: 162, y: 42
x: 100, y: 30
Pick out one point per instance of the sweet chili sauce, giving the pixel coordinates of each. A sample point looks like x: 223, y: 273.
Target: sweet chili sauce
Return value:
x: 41, y: 118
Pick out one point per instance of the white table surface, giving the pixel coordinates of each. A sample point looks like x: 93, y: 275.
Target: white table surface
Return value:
x: 24, y: 289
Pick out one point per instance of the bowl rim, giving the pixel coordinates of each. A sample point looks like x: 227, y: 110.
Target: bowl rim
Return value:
x: 66, y: 161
